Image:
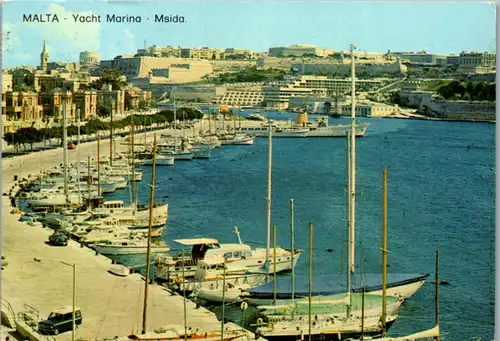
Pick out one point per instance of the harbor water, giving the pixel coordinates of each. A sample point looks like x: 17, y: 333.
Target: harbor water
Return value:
x: 441, y: 194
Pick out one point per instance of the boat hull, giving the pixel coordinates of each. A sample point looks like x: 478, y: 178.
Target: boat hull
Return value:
x: 128, y: 250
x: 202, y: 154
x: 160, y: 161
x: 397, y: 288
x: 323, y: 332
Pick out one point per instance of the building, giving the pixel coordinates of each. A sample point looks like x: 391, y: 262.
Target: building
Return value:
x: 279, y: 97
x: 22, y: 109
x: 151, y: 70
x: 371, y: 109
x: 299, y: 51
x: 279, y: 94
x: 241, y: 97
x: 332, y: 86
x: 89, y: 58
x: 230, y: 53
x: 53, y: 102
x: 44, y: 59
x: 452, y: 60
x: 134, y: 96
x: 6, y: 82
x: 86, y: 102
x: 419, y: 57
x: 202, y: 53
x: 160, y: 51
x: 483, y: 59
x: 113, y: 98
x: 476, y: 62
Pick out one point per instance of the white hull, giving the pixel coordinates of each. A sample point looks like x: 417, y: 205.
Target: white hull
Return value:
x: 338, y: 131
x: 161, y: 161
x: 323, y: 327
x: 128, y: 250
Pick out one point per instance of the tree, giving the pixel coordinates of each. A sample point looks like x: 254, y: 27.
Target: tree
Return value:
x: 109, y: 76
x: 103, y: 109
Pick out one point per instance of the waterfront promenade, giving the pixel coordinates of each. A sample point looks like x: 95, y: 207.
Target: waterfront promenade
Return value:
x: 111, y: 306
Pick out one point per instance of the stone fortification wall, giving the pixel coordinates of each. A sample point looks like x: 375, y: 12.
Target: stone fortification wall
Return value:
x: 227, y: 65
x: 344, y: 70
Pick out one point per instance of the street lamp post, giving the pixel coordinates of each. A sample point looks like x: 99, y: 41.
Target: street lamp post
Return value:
x: 73, y: 329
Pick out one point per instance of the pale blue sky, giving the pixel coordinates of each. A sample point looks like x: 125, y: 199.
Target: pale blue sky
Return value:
x: 441, y: 27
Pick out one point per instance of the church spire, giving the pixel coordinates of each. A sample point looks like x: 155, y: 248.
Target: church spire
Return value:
x: 44, y: 59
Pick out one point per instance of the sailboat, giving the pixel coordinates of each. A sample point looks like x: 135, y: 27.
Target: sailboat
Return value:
x: 245, y: 274
x: 398, y: 285
x: 184, y: 153
x: 172, y: 332
x: 346, y: 321
x: 425, y: 334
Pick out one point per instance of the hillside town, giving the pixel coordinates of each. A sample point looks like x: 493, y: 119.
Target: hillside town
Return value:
x: 392, y: 84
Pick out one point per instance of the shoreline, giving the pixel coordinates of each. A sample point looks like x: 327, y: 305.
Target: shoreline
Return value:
x: 111, y: 306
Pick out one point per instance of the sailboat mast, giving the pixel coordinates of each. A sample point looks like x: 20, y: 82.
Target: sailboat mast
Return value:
x: 65, y: 151
x: 184, y: 295
x: 292, y: 228
x: 274, y: 265
x: 150, y: 228
x: 348, y: 191
x: 384, y: 254
x: 134, y: 193
x: 310, y: 276
x: 111, y: 135
x: 437, y: 291
x: 352, y: 189
x: 98, y: 164
x: 269, y: 191
x: 89, y: 179
x: 175, y: 128
x: 78, y: 157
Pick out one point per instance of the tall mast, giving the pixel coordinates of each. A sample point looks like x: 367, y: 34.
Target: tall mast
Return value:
x: 111, y: 135
x: 384, y: 254
x: 292, y: 228
x: 150, y: 228
x: 78, y: 157
x: 175, y: 127
x: 65, y: 150
x: 98, y: 164
x: 352, y: 190
x: 310, y: 276
x: 134, y: 191
x: 437, y: 291
x: 269, y: 191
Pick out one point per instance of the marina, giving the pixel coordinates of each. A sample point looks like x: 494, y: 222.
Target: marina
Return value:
x: 183, y: 190
x: 348, y: 306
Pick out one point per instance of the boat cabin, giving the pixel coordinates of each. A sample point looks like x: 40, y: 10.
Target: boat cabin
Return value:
x: 228, y: 253
x: 199, y: 246
x: 112, y: 204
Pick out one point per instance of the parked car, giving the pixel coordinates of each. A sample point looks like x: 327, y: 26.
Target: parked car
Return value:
x: 71, y: 146
x: 58, y: 238
x: 4, y: 261
x: 60, y: 321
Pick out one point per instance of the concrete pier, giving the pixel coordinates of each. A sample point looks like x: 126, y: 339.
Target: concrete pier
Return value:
x: 111, y: 306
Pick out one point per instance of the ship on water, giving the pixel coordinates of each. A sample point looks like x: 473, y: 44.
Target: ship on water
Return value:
x: 303, y: 128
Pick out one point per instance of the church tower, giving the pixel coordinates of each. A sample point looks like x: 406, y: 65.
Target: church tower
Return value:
x: 44, y: 59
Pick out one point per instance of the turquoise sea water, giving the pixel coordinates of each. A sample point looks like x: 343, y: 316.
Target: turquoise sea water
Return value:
x: 441, y: 194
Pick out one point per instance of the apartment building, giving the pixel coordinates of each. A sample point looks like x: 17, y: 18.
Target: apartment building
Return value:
x: 242, y: 98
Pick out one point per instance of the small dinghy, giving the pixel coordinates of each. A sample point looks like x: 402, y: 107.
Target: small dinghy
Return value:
x: 119, y: 270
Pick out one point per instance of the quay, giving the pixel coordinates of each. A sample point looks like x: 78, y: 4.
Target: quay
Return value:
x: 111, y: 306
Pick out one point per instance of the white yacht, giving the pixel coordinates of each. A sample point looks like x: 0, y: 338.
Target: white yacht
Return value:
x: 129, y: 247
x: 209, y: 252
